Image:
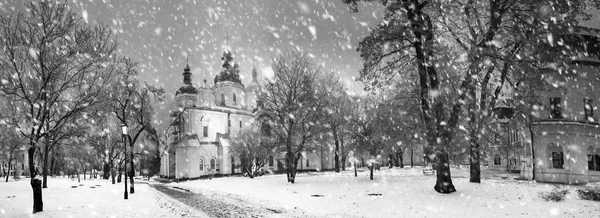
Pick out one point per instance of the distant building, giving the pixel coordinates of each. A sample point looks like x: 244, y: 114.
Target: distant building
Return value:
x: 565, y: 135
x: 202, y: 119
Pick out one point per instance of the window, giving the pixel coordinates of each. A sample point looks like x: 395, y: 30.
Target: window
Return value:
x: 270, y: 161
x: 222, y: 99
x: 205, y: 131
x: 240, y: 124
x: 307, y: 162
x: 497, y: 160
x: 555, y: 108
x: 266, y: 129
x: 212, y: 164
x: 234, y: 99
x: 593, y: 159
x: 557, y: 160
x: 229, y: 122
x: 555, y: 156
x: 588, y: 109
x: 201, y: 164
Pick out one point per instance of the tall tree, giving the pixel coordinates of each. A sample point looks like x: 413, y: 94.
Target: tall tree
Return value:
x: 290, y: 98
x: 51, y: 64
x: 132, y: 104
x: 368, y: 131
x: 407, y: 39
x: 337, y: 106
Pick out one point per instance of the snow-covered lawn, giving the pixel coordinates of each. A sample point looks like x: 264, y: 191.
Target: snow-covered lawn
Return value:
x: 90, y: 198
x: 403, y: 193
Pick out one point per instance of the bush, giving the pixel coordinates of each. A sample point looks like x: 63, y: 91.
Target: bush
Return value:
x: 589, y: 194
x: 555, y: 195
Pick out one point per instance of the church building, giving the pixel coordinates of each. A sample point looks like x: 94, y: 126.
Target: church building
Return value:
x: 202, y: 119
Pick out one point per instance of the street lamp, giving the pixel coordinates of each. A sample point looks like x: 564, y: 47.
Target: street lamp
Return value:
x: 124, y: 130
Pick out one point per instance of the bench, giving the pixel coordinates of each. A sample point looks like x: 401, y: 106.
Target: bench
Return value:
x: 428, y: 172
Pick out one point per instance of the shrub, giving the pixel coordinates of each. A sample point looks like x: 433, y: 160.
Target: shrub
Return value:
x: 555, y: 195
x: 589, y: 194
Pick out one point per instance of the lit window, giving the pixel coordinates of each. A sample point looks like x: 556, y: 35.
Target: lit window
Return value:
x: 555, y: 108
x: 588, y: 109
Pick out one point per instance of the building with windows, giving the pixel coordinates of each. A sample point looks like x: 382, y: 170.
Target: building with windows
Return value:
x: 202, y: 118
x: 565, y: 133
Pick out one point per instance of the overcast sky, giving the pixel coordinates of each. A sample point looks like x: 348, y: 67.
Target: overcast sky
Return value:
x: 158, y: 34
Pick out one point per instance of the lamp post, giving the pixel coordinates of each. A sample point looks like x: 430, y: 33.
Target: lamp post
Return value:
x: 124, y: 130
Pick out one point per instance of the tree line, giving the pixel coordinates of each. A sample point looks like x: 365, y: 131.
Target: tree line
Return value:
x: 66, y: 95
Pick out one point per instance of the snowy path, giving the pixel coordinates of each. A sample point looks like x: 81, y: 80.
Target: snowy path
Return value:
x: 89, y: 198
x: 224, y: 205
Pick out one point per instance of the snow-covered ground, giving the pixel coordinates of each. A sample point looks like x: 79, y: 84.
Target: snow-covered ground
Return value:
x: 403, y: 193
x: 90, y: 198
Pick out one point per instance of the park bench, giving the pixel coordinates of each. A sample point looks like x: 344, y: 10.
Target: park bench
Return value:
x: 428, y: 171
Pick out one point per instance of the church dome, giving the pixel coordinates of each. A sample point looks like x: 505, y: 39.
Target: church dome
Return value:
x: 228, y: 73
x: 187, y: 87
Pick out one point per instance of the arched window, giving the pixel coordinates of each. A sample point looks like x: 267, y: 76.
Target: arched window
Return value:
x: 497, y: 160
x: 556, y: 156
x: 201, y: 164
x: 240, y: 124
x: 222, y: 99
x: 212, y: 164
x: 593, y: 157
x: 234, y: 99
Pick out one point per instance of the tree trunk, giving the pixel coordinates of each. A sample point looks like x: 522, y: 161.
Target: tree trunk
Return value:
x: 474, y: 164
x: 411, y: 158
x: 84, y: 172
x: 371, y: 169
x: 355, y: 166
x: 52, y: 161
x: 45, y: 165
x: 35, y: 182
x: 9, y: 165
x: 132, y: 171
x: 112, y: 172
x: 337, y: 150
x: 444, y: 180
x: 343, y: 156
x: 119, y: 177
x: 401, y: 159
x: 292, y: 164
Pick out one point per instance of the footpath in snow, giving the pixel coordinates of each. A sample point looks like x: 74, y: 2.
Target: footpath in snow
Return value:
x: 398, y: 193
x: 90, y: 198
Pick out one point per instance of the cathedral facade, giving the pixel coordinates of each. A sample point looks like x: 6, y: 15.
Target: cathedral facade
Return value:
x: 202, y: 119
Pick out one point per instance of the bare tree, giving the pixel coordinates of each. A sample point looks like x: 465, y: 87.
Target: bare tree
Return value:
x: 254, y: 146
x: 52, y: 66
x: 337, y: 106
x: 132, y: 106
x: 290, y: 98
x: 368, y: 131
